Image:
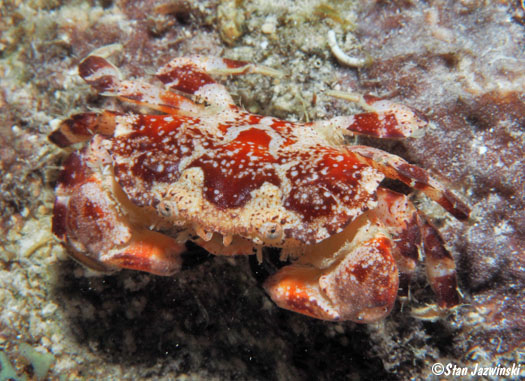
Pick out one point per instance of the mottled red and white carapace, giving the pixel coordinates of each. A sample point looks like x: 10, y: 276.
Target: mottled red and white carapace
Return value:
x: 205, y: 170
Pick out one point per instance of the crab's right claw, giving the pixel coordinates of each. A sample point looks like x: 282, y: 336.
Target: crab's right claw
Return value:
x: 88, y: 220
x: 361, y: 287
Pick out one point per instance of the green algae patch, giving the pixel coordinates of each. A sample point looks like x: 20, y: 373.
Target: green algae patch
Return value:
x: 7, y: 372
x: 41, y: 362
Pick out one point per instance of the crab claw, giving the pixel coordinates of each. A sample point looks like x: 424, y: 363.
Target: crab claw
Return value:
x: 89, y: 219
x: 360, y: 285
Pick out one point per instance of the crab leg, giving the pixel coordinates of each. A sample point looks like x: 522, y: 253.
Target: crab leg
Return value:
x: 402, y: 222
x: 105, y: 77
x: 144, y: 94
x: 412, y: 233
x: 383, y: 118
x: 396, y: 168
x: 87, y: 220
x: 81, y: 127
x: 440, y: 266
x: 192, y: 75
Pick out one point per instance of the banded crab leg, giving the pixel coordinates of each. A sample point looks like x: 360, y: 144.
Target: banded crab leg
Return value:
x: 401, y: 221
x: 412, y: 233
x: 193, y: 75
x: 100, y: 226
x: 105, y: 77
x: 440, y: 266
x: 382, y: 118
x: 81, y: 127
x: 396, y: 168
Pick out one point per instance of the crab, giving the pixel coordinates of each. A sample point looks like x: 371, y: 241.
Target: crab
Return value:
x: 201, y: 169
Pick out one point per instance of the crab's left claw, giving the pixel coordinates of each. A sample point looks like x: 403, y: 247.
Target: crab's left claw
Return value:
x: 360, y: 285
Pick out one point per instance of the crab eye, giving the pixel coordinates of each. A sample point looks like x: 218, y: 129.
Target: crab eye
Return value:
x: 271, y: 231
x: 166, y: 209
